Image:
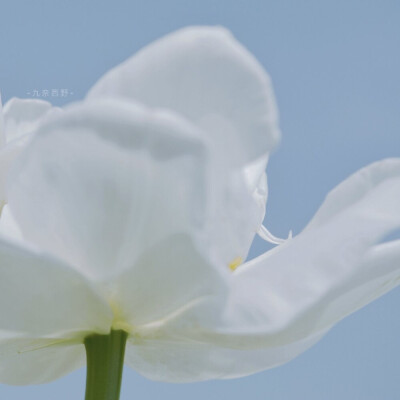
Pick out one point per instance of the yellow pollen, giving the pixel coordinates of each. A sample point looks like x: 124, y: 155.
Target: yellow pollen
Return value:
x: 235, y: 263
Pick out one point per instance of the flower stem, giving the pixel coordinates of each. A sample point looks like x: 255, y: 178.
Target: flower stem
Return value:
x: 105, y: 362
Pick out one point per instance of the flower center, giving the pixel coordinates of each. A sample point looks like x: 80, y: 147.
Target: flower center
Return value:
x: 119, y: 322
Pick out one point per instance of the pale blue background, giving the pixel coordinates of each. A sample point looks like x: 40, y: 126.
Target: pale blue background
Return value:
x: 335, y: 67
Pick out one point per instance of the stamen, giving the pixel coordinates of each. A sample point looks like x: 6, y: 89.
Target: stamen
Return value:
x: 265, y: 234
x: 235, y: 263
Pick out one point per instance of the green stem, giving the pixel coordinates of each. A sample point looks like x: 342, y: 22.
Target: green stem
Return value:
x: 105, y: 362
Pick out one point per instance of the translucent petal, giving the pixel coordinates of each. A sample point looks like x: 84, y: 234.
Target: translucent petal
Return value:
x: 166, y: 279
x: 32, y: 361
x: 354, y: 188
x: 378, y: 273
x: 208, y: 77
x: 106, y: 181
x: 22, y: 116
x: 204, y: 74
x: 42, y: 297
x: 302, y: 287
x: 2, y: 130
x: 9, y: 229
x: 172, y: 360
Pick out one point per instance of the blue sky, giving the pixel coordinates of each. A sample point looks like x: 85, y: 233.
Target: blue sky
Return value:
x: 335, y: 68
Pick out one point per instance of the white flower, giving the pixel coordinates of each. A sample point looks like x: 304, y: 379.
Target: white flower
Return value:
x: 19, y: 118
x: 138, y: 205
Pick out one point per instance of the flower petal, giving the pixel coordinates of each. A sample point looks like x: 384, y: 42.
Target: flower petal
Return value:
x: 22, y: 116
x: 208, y: 77
x: 164, y: 281
x: 256, y: 179
x: 18, y: 118
x: 107, y: 180
x: 354, y: 188
x: 7, y: 156
x: 9, y: 229
x: 175, y: 360
x: 204, y: 74
x: 379, y: 272
x: 34, y: 361
x: 285, y: 295
x: 41, y: 297
x: 2, y: 130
